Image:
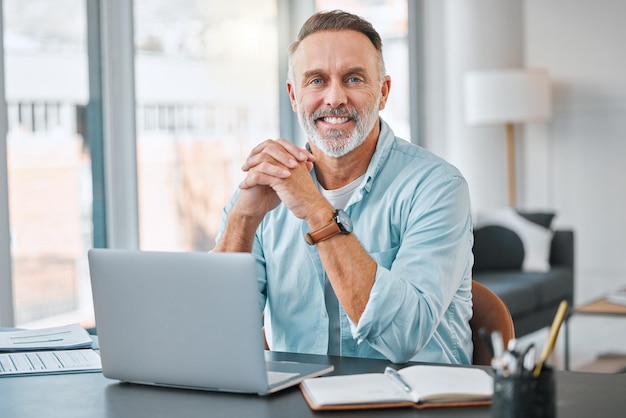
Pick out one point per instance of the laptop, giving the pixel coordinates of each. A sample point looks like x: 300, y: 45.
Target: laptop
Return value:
x: 185, y: 319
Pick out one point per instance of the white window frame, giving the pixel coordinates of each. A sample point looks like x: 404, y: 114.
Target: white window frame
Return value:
x: 6, y: 275
x: 119, y: 136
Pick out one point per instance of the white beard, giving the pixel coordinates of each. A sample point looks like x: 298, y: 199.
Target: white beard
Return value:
x: 336, y: 142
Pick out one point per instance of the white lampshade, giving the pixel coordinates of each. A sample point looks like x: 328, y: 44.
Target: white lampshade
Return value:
x: 507, y: 96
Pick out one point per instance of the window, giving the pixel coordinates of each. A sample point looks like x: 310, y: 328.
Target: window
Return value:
x: 207, y: 89
x: 206, y: 92
x: 49, y: 177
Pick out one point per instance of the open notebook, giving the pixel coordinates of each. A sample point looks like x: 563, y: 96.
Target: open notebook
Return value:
x: 190, y: 320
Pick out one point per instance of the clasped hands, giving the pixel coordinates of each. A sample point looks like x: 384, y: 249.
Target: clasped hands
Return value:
x: 278, y: 171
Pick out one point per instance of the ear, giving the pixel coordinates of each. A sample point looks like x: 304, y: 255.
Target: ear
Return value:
x: 384, y: 90
x: 292, y: 96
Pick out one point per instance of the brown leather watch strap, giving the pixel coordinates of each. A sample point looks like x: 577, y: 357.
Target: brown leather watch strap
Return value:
x: 323, y: 233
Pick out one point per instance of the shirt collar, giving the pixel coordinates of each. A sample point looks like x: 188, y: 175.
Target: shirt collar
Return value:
x: 383, y: 147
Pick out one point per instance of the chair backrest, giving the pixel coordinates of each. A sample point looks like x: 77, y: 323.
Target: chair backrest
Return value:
x: 491, y: 314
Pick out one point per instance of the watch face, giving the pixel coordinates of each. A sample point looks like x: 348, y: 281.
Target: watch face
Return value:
x: 344, y: 221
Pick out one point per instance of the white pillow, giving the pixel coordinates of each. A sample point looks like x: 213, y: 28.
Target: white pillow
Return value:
x: 535, y: 238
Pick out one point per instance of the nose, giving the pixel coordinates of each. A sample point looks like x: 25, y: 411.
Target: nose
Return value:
x: 336, y: 95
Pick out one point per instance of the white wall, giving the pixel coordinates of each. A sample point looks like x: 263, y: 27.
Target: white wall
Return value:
x: 582, y: 45
x: 461, y: 36
x: 574, y: 164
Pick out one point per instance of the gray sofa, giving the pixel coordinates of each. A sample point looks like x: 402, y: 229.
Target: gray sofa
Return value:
x: 532, y: 297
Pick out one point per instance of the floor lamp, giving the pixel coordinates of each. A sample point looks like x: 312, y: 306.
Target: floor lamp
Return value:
x: 509, y: 97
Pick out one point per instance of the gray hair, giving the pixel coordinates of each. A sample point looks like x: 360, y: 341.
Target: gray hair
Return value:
x: 338, y: 20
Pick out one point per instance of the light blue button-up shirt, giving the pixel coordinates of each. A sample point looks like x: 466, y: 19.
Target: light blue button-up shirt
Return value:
x: 412, y: 215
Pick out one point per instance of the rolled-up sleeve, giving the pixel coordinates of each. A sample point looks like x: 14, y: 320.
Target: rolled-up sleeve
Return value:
x: 411, y: 296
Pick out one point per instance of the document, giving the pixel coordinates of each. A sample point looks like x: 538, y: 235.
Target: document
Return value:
x: 64, y: 337
x: 49, y: 362
x: 420, y: 386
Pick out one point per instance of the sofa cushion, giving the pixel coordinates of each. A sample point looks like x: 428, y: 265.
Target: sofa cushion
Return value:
x: 497, y: 248
x: 540, y: 218
x: 520, y: 296
x: 553, y: 286
x: 524, y: 293
x: 503, y: 237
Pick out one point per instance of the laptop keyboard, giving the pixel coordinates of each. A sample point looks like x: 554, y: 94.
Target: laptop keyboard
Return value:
x: 274, y: 378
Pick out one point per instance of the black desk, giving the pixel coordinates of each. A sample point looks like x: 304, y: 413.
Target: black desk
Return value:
x: 92, y: 395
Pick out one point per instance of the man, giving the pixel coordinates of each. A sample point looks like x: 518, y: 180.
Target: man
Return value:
x: 363, y: 240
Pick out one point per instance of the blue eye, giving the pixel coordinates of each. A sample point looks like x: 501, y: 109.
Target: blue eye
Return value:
x: 354, y: 80
x: 316, y: 81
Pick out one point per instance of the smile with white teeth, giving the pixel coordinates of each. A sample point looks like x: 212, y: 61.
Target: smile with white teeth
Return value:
x: 335, y: 120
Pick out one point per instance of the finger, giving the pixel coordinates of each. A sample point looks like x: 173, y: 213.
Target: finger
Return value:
x: 255, y: 180
x: 264, y: 174
x: 257, y: 149
x: 267, y: 158
x: 266, y: 162
x: 270, y: 151
x: 301, y: 154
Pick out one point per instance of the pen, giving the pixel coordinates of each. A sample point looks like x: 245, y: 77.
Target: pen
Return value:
x: 56, y: 340
x: 393, y: 374
x: 512, y: 345
x: 497, y: 344
x: 498, y: 361
x: 554, y: 332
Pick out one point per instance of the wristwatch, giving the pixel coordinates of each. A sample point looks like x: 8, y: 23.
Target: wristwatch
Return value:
x: 340, y: 224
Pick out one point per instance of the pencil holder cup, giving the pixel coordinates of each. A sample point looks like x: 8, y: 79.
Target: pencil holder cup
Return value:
x: 524, y: 395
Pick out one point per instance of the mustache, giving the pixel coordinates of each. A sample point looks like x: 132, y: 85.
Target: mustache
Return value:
x: 340, y: 112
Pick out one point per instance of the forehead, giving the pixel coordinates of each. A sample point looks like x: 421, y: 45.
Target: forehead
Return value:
x: 332, y: 51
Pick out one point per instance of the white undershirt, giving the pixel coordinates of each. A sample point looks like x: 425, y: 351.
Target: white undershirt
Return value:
x: 339, y: 198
